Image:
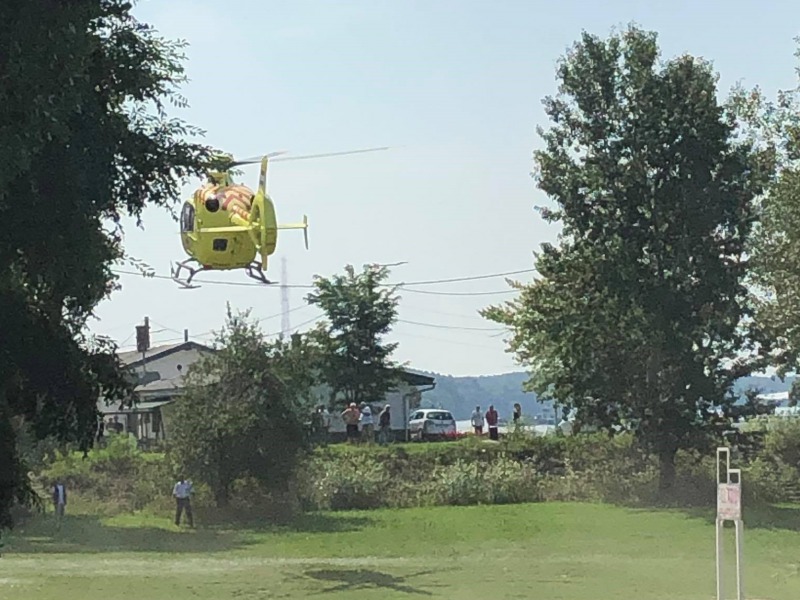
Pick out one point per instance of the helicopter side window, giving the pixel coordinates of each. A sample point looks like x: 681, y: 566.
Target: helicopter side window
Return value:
x: 187, y: 217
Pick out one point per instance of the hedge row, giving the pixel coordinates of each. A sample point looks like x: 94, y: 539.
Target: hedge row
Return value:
x: 121, y: 477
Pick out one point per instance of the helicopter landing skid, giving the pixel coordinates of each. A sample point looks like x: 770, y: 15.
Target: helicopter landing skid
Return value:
x: 187, y: 285
x: 256, y: 271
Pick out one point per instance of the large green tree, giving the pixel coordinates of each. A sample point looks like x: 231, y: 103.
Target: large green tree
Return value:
x: 636, y: 314
x: 244, y: 410
x: 360, y: 308
x: 775, y: 242
x: 86, y: 139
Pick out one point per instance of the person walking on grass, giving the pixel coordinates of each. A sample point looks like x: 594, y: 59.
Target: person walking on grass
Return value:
x: 59, y: 500
x: 182, y: 492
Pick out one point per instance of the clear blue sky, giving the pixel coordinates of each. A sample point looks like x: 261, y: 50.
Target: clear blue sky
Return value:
x: 455, y: 88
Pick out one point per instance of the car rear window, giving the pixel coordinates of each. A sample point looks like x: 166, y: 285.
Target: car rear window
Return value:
x: 440, y: 416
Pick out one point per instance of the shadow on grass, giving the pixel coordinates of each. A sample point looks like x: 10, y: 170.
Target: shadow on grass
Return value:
x: 755, y: 516
x: 305, y: 522
x: 89, y: 534
x: 349, y: 580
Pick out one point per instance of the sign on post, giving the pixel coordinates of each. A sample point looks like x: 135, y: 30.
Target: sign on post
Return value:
x: 729, y: 508
x: 729, y: 501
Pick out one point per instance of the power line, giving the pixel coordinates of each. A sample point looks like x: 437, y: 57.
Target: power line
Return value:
x: 432, y: 293
x: 280, y: 314
x: 261, y: 320
x: 501, y: 330
x: 308, y: 322
x: 210, y: 282
x: 444, y: 341
x: 438, y: 326
x: 403, y: 285
x: 460, y: 315
x: 164, y: 328
x: 468, y: 278
x: 285, y: 321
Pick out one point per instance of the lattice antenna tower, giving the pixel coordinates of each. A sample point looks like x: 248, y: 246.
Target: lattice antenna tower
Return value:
x: 285, y: 324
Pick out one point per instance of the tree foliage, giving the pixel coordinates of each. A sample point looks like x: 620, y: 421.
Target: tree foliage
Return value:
x: 775, y: 243
x: 86, y: 140
x: 636, y: 316
x: 243, y: 411
x: 360, y: 309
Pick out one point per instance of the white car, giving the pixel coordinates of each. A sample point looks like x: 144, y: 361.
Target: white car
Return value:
x: 431, y: 423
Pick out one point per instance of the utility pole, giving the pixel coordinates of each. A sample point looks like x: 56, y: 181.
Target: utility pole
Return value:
x: 285, y: 325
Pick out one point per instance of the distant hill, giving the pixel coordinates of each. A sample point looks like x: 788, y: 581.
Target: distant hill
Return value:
x: 460, y: 395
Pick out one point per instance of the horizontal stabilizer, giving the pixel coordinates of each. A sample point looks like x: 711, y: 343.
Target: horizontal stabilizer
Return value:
x: 303, y: 226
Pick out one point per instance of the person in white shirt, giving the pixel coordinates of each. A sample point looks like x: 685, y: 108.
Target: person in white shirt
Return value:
x: 182, y: 492
x: 477, y: 420
x: 367, y: 424
x: 59, y: 500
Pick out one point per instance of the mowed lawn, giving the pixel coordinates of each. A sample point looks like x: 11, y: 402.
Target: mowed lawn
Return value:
x: 548, y: 551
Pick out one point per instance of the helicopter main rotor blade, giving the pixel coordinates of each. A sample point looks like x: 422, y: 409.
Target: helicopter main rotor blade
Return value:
x: 257, y: 159
x: 327, y: 154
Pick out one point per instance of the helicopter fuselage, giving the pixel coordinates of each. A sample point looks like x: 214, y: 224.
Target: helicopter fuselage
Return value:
x: 214, y: 226
x: 225, y: 225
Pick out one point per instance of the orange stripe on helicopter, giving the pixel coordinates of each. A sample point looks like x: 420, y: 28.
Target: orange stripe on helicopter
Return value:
x: 239, y: 195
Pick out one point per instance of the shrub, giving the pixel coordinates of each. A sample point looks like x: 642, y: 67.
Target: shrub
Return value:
x: 120, y: 474
x: 782, y: 441
x: 512, y: 481
x: 349, y: 482
x: 462, y: 483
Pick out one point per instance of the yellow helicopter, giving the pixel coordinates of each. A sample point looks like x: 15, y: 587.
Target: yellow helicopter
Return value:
x: 225, y: 225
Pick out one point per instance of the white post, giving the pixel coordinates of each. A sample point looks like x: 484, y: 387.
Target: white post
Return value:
x: 729, y: 508
x: 739, y: 543
x: 720, y: 545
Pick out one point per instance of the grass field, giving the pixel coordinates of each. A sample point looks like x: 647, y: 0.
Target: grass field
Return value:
x: 546, y: 551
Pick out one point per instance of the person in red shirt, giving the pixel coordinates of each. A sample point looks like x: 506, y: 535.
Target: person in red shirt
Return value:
x: 491, y: 420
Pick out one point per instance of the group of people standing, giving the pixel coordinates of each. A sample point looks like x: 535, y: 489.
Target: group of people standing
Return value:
x: 359, y: 424
x: 491, y: 419
x: 356, y: 418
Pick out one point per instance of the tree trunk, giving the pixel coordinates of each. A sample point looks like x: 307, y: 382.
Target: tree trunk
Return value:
x: 222, y: 495
x: 666, y: 475
x: 12, y: 478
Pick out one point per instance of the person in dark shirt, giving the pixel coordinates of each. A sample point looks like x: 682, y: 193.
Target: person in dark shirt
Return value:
x: 491, y: 420
x: 384, y: 425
